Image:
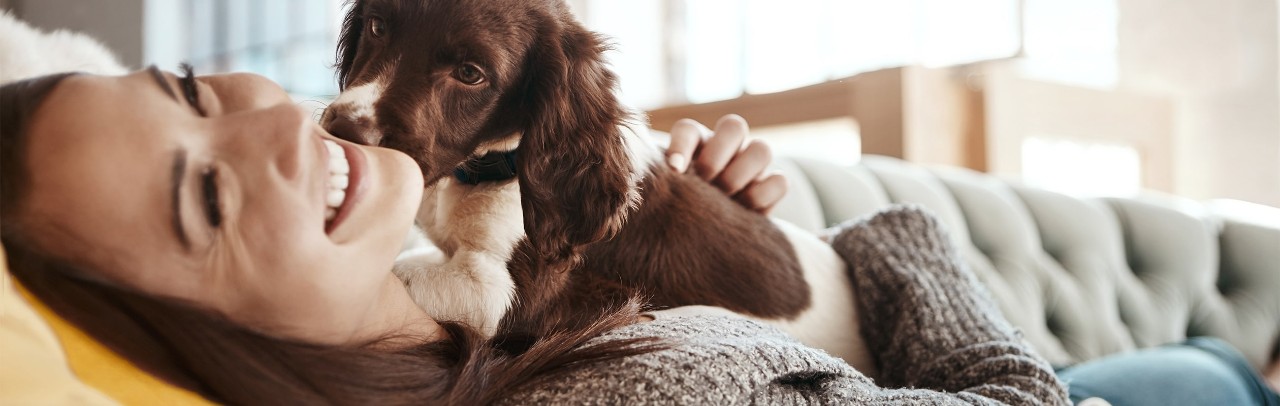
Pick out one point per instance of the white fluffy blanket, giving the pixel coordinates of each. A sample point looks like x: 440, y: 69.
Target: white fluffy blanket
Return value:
x: 27, y: 52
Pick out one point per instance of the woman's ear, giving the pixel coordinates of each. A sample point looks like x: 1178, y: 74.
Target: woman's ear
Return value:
x: 575, y: 174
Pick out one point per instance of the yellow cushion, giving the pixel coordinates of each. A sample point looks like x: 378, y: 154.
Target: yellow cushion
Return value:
x: 36, y: 360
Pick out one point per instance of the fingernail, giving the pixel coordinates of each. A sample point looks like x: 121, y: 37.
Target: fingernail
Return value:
x: 678, y: 162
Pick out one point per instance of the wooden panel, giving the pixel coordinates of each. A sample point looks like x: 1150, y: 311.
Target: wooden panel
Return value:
x: 878, y: 109
x: 816, y: 102
x: 944, y: 118
x: 918, y: 114
x: 1018, y: 108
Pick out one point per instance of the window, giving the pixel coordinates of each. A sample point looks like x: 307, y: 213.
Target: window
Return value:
x: 290, y: 41
x: 678, y: 51
x: 1072, y: 41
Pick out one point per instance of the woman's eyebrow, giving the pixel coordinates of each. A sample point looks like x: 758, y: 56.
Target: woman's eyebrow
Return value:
x: 179, y: 171
x: 179, y: 168
x: 162, y: 81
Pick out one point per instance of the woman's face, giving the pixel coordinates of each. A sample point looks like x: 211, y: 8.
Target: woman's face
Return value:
x: 223, y: 193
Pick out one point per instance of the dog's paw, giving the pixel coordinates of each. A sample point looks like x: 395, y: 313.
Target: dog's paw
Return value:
x: 418, y: 261
x: 467, y: 288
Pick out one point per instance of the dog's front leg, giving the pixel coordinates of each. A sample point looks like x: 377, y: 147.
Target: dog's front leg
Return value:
x: 476, y: 228
x: 470, y: 287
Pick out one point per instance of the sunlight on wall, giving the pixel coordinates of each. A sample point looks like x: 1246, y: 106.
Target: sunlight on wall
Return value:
x: 639, y: 63
x: 713, y: 49
x: 1081, y: 169
x: 762, y: 46
x: 724, y: 48
x: 291, y: 42
x: 834, y: 140
x: 1072, y: 41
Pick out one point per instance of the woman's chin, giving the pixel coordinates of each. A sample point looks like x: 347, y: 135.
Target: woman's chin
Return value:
x: 399, y: 168
x: 401, y: 180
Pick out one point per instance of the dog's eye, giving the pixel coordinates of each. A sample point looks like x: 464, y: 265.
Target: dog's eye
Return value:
x: 377, y: 28
x: 469, y: 73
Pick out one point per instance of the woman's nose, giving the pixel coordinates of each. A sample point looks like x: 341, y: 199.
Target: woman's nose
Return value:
x: 238, y: 92
x: 281, y: 137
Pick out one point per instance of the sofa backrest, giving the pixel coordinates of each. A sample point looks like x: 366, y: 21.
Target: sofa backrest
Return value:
x: 1081, y: 278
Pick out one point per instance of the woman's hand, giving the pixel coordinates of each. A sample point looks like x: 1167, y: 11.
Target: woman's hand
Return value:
x: 729, y: 160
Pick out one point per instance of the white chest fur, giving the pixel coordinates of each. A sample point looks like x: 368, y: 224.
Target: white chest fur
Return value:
x: 475, y: 228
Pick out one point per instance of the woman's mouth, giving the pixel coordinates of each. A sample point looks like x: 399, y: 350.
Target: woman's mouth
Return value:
x: 343, y: 185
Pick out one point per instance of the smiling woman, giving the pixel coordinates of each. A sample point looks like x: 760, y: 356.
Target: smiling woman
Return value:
x: 239, y: 186
x: 195, y: 230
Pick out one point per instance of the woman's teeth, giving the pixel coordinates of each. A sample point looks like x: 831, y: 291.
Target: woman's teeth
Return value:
x: 338, y: 170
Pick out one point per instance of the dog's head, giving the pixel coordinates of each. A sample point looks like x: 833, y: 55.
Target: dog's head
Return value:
x: 448, y: 80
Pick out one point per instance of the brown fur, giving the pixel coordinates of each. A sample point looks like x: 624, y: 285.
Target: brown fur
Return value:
x: 546, y: 78
x: 688, y: 244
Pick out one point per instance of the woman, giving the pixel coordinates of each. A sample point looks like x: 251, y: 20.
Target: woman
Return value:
x: 182, y: 222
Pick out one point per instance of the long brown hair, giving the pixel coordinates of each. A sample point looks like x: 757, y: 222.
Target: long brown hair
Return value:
x: 201, y: 351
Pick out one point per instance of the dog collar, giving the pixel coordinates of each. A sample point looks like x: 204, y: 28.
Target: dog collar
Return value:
x: 494, y: 166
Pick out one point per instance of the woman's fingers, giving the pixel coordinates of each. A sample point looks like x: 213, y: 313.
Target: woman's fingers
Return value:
x: 686, y: 135
x: 717, y: 151
x: 764, y: 194
x: 728, y: 160
x: 745, y: 168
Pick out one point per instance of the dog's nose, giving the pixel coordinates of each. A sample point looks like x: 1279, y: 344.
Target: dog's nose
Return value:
x: 357, y: 130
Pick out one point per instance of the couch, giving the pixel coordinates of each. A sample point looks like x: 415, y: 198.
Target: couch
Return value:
x: 1082, y: 278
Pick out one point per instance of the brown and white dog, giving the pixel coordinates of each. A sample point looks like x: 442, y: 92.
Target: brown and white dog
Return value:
x: 592, y: 214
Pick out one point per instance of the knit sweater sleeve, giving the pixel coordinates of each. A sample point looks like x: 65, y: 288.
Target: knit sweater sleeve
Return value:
x: 937, y: 339
x: 929, y: 322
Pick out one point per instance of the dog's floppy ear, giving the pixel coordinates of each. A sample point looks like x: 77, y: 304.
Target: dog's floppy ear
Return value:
x: 574, y: 170
x: 349, y: 42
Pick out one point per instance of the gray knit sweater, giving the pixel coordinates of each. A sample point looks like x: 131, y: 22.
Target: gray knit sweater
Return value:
x: 937, y: 339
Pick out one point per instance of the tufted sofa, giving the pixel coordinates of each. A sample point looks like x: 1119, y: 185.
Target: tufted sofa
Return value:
x: 1082, y: 278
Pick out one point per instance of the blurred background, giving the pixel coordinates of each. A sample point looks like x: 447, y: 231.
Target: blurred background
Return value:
x: 1087, y: 97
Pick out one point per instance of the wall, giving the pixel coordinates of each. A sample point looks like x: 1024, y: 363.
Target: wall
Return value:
x: 1220, y: 60
x: 1019, y: 109
x: 117, y: 23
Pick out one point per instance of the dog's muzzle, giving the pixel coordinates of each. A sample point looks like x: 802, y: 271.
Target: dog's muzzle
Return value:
x: 359, y: 130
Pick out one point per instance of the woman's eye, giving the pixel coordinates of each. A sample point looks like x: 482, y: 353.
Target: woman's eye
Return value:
x: 377, y: 28
x: 209, y: 192
x: 190, y: 90
x: 469, y: 74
